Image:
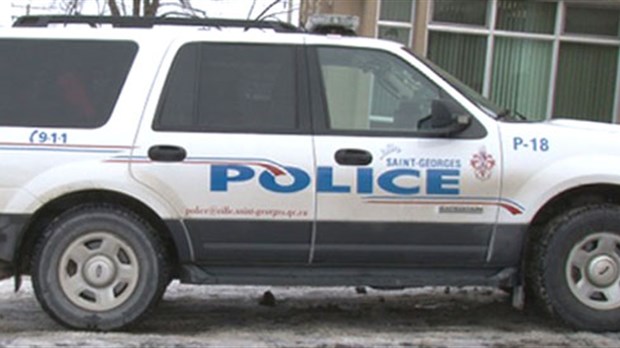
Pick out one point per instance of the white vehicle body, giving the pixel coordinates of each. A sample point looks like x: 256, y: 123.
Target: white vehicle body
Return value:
x: 279, y: 207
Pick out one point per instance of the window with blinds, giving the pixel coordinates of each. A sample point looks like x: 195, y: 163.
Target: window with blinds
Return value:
x: 542, y: 59
x: 396, y: 21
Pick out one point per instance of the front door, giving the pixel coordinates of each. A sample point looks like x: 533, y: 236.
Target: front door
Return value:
x: 392, y: 189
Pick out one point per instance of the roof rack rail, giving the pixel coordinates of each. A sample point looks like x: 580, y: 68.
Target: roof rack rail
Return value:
x: 149, y: 22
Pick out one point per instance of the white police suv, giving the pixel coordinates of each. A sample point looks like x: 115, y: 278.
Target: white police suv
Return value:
x: 259, y: 154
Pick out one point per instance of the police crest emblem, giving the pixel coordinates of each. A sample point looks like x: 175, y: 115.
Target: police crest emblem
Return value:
x: 483, y: 164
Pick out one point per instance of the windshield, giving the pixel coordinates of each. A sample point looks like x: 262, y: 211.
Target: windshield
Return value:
x: 489, y: 107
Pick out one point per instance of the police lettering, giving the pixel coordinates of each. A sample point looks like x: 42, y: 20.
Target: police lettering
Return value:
x: 401, y: 181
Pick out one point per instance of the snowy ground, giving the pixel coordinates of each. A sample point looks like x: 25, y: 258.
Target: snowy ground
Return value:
x: 309, y: 317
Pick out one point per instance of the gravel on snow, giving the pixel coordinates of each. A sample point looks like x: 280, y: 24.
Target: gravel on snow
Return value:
x: 198, y: 316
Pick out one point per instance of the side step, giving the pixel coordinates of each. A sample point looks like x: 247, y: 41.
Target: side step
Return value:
x: 380, y: 278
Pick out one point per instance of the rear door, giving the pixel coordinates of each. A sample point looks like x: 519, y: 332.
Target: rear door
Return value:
x: 229, y: 147
x: 389, y: 190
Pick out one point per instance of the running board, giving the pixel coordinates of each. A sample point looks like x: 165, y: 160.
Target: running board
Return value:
x: 379, y: 277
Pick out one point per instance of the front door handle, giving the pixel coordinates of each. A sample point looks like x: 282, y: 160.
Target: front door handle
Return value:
x: 167, y: 153
x: 353, y: 157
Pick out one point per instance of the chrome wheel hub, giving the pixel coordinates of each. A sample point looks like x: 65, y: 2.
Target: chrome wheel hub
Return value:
x: 593, y: 271
x: 98, y: 271
x: 602, y: 271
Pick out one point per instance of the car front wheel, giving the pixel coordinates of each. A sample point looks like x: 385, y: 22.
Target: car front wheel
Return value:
x: 577, y: 268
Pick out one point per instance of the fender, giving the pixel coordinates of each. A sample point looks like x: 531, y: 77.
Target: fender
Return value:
x: 561, y: 176
x: 84, y: 176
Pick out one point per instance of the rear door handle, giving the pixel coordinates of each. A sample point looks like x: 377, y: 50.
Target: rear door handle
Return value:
x: 167, y: 153
x: 353, y: 157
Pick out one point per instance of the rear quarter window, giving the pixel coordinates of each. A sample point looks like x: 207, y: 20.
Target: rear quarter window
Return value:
x: 61, y: 83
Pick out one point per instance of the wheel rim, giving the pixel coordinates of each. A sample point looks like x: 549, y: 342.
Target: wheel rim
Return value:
x: 98, y: 271
x: 593, y: 271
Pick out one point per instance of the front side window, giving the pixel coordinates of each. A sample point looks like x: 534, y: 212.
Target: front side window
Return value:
x: 368, y: 90
x: 61, y: 83
x: 230, y: 87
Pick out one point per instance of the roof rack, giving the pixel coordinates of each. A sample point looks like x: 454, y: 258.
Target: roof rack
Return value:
x: 149, y: 22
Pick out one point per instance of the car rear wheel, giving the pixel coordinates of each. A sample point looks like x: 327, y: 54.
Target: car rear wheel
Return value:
x: 99, y: 267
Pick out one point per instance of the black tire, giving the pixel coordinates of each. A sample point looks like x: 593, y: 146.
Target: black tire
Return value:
x: 110, y: 252
x: 563, y: 271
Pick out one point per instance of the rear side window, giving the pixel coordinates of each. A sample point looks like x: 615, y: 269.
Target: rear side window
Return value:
x: 61, y: 83
x: 230, y: 87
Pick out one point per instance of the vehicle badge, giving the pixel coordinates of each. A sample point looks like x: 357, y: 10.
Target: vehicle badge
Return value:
x: 483, y: 164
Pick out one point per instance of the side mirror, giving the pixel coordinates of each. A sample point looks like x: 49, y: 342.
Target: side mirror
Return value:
x: 443, y: 120
x: 441, y: 116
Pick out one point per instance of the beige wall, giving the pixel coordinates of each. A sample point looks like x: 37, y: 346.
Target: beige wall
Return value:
x: 419, y: 31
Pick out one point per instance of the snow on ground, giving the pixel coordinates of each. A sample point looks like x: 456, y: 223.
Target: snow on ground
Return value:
x: 198, y: 316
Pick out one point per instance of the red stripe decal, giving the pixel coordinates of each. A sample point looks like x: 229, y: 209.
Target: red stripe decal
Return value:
x: 270, y: 167
x: 113, y: 147
x: 511, y: 209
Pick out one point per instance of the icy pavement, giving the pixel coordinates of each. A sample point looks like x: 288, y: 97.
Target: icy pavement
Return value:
x: 310, y: 317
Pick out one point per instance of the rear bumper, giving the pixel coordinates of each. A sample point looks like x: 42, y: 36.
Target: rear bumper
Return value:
x: 5, y: 270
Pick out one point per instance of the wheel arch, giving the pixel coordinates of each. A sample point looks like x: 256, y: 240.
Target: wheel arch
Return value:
x: 576, y: 197
x: 560, y: 204
x: 175, y: 241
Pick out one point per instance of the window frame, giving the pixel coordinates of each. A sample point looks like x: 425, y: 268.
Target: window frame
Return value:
x: 302, y: 113
x: 320, y: 108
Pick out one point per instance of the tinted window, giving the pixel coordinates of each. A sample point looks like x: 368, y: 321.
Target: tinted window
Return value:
x: 178, y: 102
x: 61, y: 83
x: 230, y: 87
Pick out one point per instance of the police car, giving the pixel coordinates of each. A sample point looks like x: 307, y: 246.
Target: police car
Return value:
x: 229, y: 152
